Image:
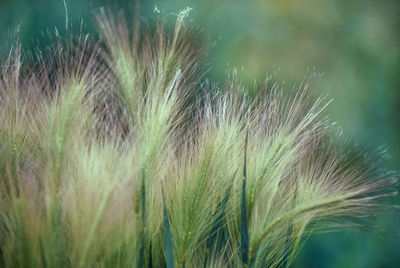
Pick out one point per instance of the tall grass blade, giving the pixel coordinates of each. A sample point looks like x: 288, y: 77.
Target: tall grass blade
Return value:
x: 244, y: 232
x: 169, y: 251
x: 217, y: 223
x: 218, y: 220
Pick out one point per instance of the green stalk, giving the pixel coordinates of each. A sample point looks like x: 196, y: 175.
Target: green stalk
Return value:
x: 244, y: 231
x: 169, y: 251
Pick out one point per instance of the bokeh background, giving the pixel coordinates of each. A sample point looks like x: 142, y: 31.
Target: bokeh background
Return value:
x: 354, y: 43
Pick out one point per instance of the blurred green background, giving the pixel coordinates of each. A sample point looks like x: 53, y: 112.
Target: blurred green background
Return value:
x: 354, y: 43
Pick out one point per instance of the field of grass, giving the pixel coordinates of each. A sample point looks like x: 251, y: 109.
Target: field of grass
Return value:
x: 120, y: 152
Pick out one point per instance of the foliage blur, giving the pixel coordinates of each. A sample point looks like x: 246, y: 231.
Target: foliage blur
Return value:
x: 354, y: 43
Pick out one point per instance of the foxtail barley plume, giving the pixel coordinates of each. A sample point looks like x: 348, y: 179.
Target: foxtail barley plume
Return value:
x: 119, y: 152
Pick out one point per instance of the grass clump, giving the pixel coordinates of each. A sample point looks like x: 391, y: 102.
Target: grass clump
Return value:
x: 119, y: 153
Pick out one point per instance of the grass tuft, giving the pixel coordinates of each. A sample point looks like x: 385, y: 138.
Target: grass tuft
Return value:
x: 90, y: 129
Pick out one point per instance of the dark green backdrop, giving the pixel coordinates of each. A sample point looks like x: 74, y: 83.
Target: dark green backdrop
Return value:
x: 355, y: 43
